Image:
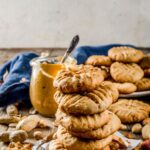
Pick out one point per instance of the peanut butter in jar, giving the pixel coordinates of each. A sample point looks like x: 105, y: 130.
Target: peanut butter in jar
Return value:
x: 42, y: 91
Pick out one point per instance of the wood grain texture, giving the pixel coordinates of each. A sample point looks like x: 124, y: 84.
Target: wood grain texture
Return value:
x: 6, y: 54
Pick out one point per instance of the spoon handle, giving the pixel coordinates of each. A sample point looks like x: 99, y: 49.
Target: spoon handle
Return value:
x: 72, y: 46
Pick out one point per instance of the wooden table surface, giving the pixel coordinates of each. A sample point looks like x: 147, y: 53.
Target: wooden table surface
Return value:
x: 6, y: 54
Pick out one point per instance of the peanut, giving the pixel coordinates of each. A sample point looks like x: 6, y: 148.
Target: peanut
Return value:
x: 137, y: 128
x: 28, y: 123
x: 6, y: 119
x: 12, y: 110
x: 146, y: 131
x: 38, y: 135
x: 3, y: 127
x: 18, y: 136
x: 13, y: 136
x: 4, y: 136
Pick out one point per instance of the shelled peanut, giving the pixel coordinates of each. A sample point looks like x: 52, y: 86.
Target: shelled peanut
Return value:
x: 18, y: 128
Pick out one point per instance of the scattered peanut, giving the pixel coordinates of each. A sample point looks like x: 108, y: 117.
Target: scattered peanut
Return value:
x: 13, y: 136
x: 38, y: 135
x: 45, y: 122
x: 19, y: 146
x: 28, y: 123
x: 30, y: 141
x: 2, y: 111
x: 4, y: 136
x: 12, y: 110
x: 3, y: 127
x: 20, y: 131
x: 146, y: 131
x: 13, y: 125
x: 11, y: 129
x: 32, y: 111
x: 44, y: 132
x: 6, y: 119
x: 125, y: 127
x: 3, y: 146
x: 146, y: 145
x: 18, y: 136
x: 137, y: 128
x: 33, y: 121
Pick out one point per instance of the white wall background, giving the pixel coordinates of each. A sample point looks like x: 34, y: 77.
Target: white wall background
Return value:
x: 52, y: 23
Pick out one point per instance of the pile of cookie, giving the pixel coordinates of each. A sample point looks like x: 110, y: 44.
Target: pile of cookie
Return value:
x: 82, y: 117
x: 134, y: 115
x: 126, y: 67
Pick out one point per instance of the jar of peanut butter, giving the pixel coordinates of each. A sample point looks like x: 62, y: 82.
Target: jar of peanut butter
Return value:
x: 42, y: 91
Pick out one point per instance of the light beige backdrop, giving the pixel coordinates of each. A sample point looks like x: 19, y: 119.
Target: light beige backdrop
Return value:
x: 52, y: 23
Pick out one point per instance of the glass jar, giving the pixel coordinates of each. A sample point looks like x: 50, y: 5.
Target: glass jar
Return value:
x: 42, y: 91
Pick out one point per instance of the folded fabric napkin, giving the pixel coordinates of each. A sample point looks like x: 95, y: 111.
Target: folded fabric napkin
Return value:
x: 16, y: 85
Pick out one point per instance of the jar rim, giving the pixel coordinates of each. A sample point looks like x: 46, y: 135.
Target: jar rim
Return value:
x: 47, y: 59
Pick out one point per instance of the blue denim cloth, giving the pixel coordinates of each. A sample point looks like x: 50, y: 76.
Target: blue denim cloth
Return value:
x: 12, y: 90
x: 83, y: 52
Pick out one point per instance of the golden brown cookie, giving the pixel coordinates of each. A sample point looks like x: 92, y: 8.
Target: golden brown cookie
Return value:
x: 78, y: 78
x: 130, y: 111
x: 126, y: 72
x: 145, y: 63
x: 82, y: 123
x: 147, y: 72
x: 125, y: 88
x: 108, y: 129
x: 98, y: 60
x: 88, y: 103
x: 73, y: 143
x: 125, y: 54
x: 143, y: 84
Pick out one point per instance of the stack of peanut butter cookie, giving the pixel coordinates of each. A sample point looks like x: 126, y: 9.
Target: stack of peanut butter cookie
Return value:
x: 84, y: 123
x: 127, y: 68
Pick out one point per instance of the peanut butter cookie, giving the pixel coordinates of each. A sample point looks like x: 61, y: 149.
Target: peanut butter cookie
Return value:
x: 82, y: 123
x: 88, y: 103
x: 125, y: 54
x: 126, y: 72
x: 130, y: 111
x: 123, y: 88
x: 108, y: 129
x: 98, y: 60
x: 143, y: 84
x: 78, y: 79
x: 73, y: 143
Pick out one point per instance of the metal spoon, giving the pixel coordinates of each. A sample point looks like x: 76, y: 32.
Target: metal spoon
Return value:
x: 72, y: 46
